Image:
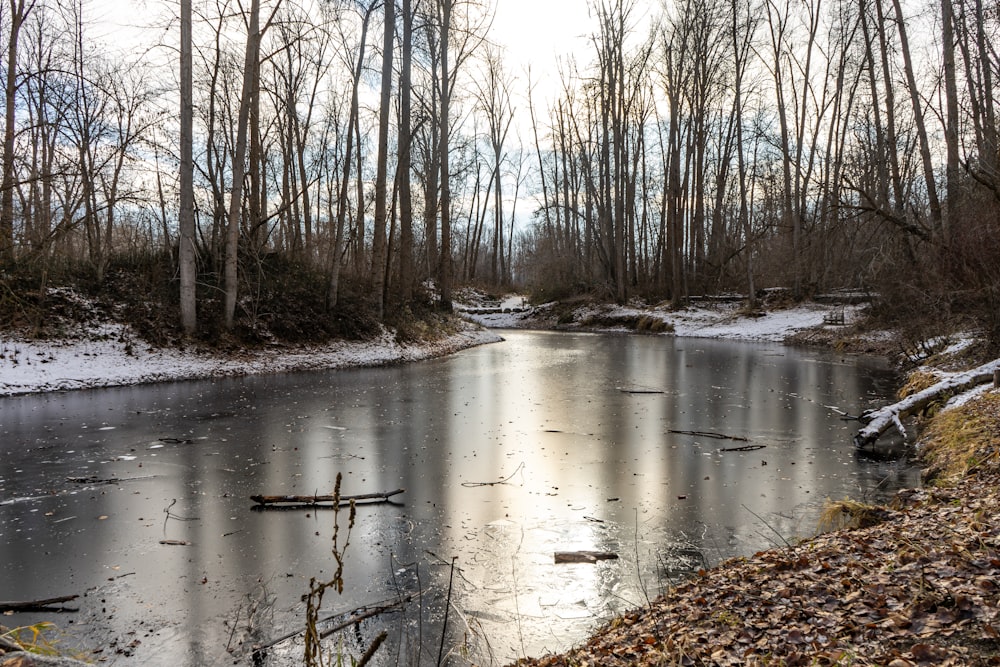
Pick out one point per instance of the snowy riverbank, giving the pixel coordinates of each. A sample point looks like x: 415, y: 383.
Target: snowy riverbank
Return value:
x: 115, y: 356
x: 720, y: 320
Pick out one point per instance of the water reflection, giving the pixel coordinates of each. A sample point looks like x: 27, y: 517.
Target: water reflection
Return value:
x: 508, y: 453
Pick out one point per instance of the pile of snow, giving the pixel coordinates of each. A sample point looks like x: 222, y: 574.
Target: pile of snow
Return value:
x: 116, y: 357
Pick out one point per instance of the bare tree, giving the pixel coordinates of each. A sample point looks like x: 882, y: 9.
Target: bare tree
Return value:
x: 19, y: 10
x: 250, y: 89
x: 405, y: 153
x: 381, y: 168
x: 186, y: 242
x: 494, y: 98
x: 337, y: 235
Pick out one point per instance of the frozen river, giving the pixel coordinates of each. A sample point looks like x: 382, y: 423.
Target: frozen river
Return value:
x: 137, y: 499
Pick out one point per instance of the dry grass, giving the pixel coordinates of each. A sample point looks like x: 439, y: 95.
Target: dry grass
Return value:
x: 917, y: 381
x: 847, y: 513
x: 962, y: 439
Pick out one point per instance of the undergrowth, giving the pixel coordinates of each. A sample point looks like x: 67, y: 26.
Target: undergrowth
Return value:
x: 282, y: 300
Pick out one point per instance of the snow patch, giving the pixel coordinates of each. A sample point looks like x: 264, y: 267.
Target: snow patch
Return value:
x: 117, y: 358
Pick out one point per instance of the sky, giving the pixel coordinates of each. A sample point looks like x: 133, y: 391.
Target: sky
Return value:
x: 534, y: 33
x: 537, y: 33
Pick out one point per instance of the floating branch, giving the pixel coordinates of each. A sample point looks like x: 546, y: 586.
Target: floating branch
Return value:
x: 48, y: 604
x: 502, y: 481
x: 640, y: 391
x: 584, y: 556
x: 93, y: 479
x: 747, y: 448
x: 709, y: 434
x: 365, y: 498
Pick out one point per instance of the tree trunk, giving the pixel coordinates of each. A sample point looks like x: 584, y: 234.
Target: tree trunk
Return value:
x: 186, y: 243
x: 18, y: 12
x: 337, y: 240
x: 445, y: 269
x: 952, y: 169
x: 381, y: 169
x: 231, y: 276
x: 405, y: 143
x: 937, y: 220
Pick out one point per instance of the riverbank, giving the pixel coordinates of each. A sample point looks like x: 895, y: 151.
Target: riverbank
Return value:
x: 108, y: 353
x: 114, y: 355
x: 722, y: 319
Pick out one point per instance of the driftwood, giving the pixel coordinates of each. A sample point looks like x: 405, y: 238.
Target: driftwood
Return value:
x: 584, y: 556
x: 48, y: 604
x: 93, y: 479
x: 744, y: 448
x: 317, y: 500
x: 879, y: 421
x: 710, y: 434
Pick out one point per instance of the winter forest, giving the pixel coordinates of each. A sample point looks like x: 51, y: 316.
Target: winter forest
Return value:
x: 346, y: 155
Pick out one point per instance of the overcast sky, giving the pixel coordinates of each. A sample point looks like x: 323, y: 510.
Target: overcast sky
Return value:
x: 537, y: 32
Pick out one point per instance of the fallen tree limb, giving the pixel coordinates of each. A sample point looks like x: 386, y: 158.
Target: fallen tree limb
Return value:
x: 744, y: 448
x: 879, y: 421
x: 584, y: 556
x: 710, y: 434
x: 93, y: 479
x: 502, y: 481
x: 316, y: 499
x: 47, y: 604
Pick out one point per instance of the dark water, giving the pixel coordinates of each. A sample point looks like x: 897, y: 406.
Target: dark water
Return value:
x: 580, y: 427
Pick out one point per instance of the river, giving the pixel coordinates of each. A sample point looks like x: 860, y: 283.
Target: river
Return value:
x: 137, y: 498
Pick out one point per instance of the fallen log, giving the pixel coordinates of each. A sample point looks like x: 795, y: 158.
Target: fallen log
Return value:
x: 879, y: 421
x: 365, y: 498
x: 48, y: 604
x: 584, y: 556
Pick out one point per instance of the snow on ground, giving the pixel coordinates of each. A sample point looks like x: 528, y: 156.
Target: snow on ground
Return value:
x: 114, y: 357
x: 718, y: 321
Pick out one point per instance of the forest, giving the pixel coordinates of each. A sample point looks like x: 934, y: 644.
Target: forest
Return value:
x: 296, y: 168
